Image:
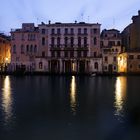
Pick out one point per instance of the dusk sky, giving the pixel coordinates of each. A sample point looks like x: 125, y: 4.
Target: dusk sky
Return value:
x: 110, y: 13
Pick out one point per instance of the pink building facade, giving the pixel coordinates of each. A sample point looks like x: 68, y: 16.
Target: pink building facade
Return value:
x: 57, y: 48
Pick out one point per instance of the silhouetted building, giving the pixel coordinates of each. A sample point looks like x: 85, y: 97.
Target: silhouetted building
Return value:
x: 131, y: 35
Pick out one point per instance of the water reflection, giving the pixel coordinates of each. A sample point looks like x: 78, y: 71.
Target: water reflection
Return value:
x: 73, y: 95
x: 120, y: 94
x: 7, y: 100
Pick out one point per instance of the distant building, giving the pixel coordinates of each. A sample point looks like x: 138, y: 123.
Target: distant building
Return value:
x: 131, y: 34
x: 111, y: 47
x: 57, y: 48
x: 5, y: 55
x: 25, y: 47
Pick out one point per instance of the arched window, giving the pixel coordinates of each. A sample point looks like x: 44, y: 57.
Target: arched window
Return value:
x: 72, y: 41
x: 27, y: 48
x: 96, y: 65
x: 58, y: 41
x: 14, y: 48
x: 40, y: 65
x: 43, y: 40
x: 66, y: 41
x: 22, y: 49
x: 35, y: 49
x: 85, y: 41
x: 52, y: 41
x: 31, y: 48
x: 95, y: 41
x: 79, y: 41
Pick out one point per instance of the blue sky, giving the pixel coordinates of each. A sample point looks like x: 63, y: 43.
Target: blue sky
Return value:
x: 109, y: 13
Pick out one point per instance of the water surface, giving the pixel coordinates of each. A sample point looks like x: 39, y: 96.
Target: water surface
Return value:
x: 69, y: 107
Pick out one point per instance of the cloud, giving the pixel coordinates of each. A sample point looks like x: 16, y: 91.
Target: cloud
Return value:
x: 15, y: 12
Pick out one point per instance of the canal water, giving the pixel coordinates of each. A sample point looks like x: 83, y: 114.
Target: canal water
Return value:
x: 69, y: 108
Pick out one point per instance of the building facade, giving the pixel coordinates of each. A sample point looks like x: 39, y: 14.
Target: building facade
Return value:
x: 131, y: 34
x: 111, y: 48
x: 129, y: 62
x: 5, y: 55
x: 57, y: 48
x: 25, y: 47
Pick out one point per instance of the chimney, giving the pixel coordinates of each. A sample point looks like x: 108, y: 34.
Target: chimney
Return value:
x: 49, y: 22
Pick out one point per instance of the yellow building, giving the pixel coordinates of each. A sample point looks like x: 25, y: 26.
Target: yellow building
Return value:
x: 129, y: 62
x: 5, y: 55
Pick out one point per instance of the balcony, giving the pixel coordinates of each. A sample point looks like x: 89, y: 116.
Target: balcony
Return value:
x: 55, y: 34
x: 55, y: 47
x: 69, y: 34
x: 82, y: 48
x: 82, y: 34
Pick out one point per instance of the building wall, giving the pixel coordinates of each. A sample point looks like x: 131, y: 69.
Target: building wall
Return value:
x: 131, y: 35
x: 60, y: 47
x: 135, y: 32
x: 129, y: 62
x: 5, y: 56
x: 111, y: 47
x: 25, y: 46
